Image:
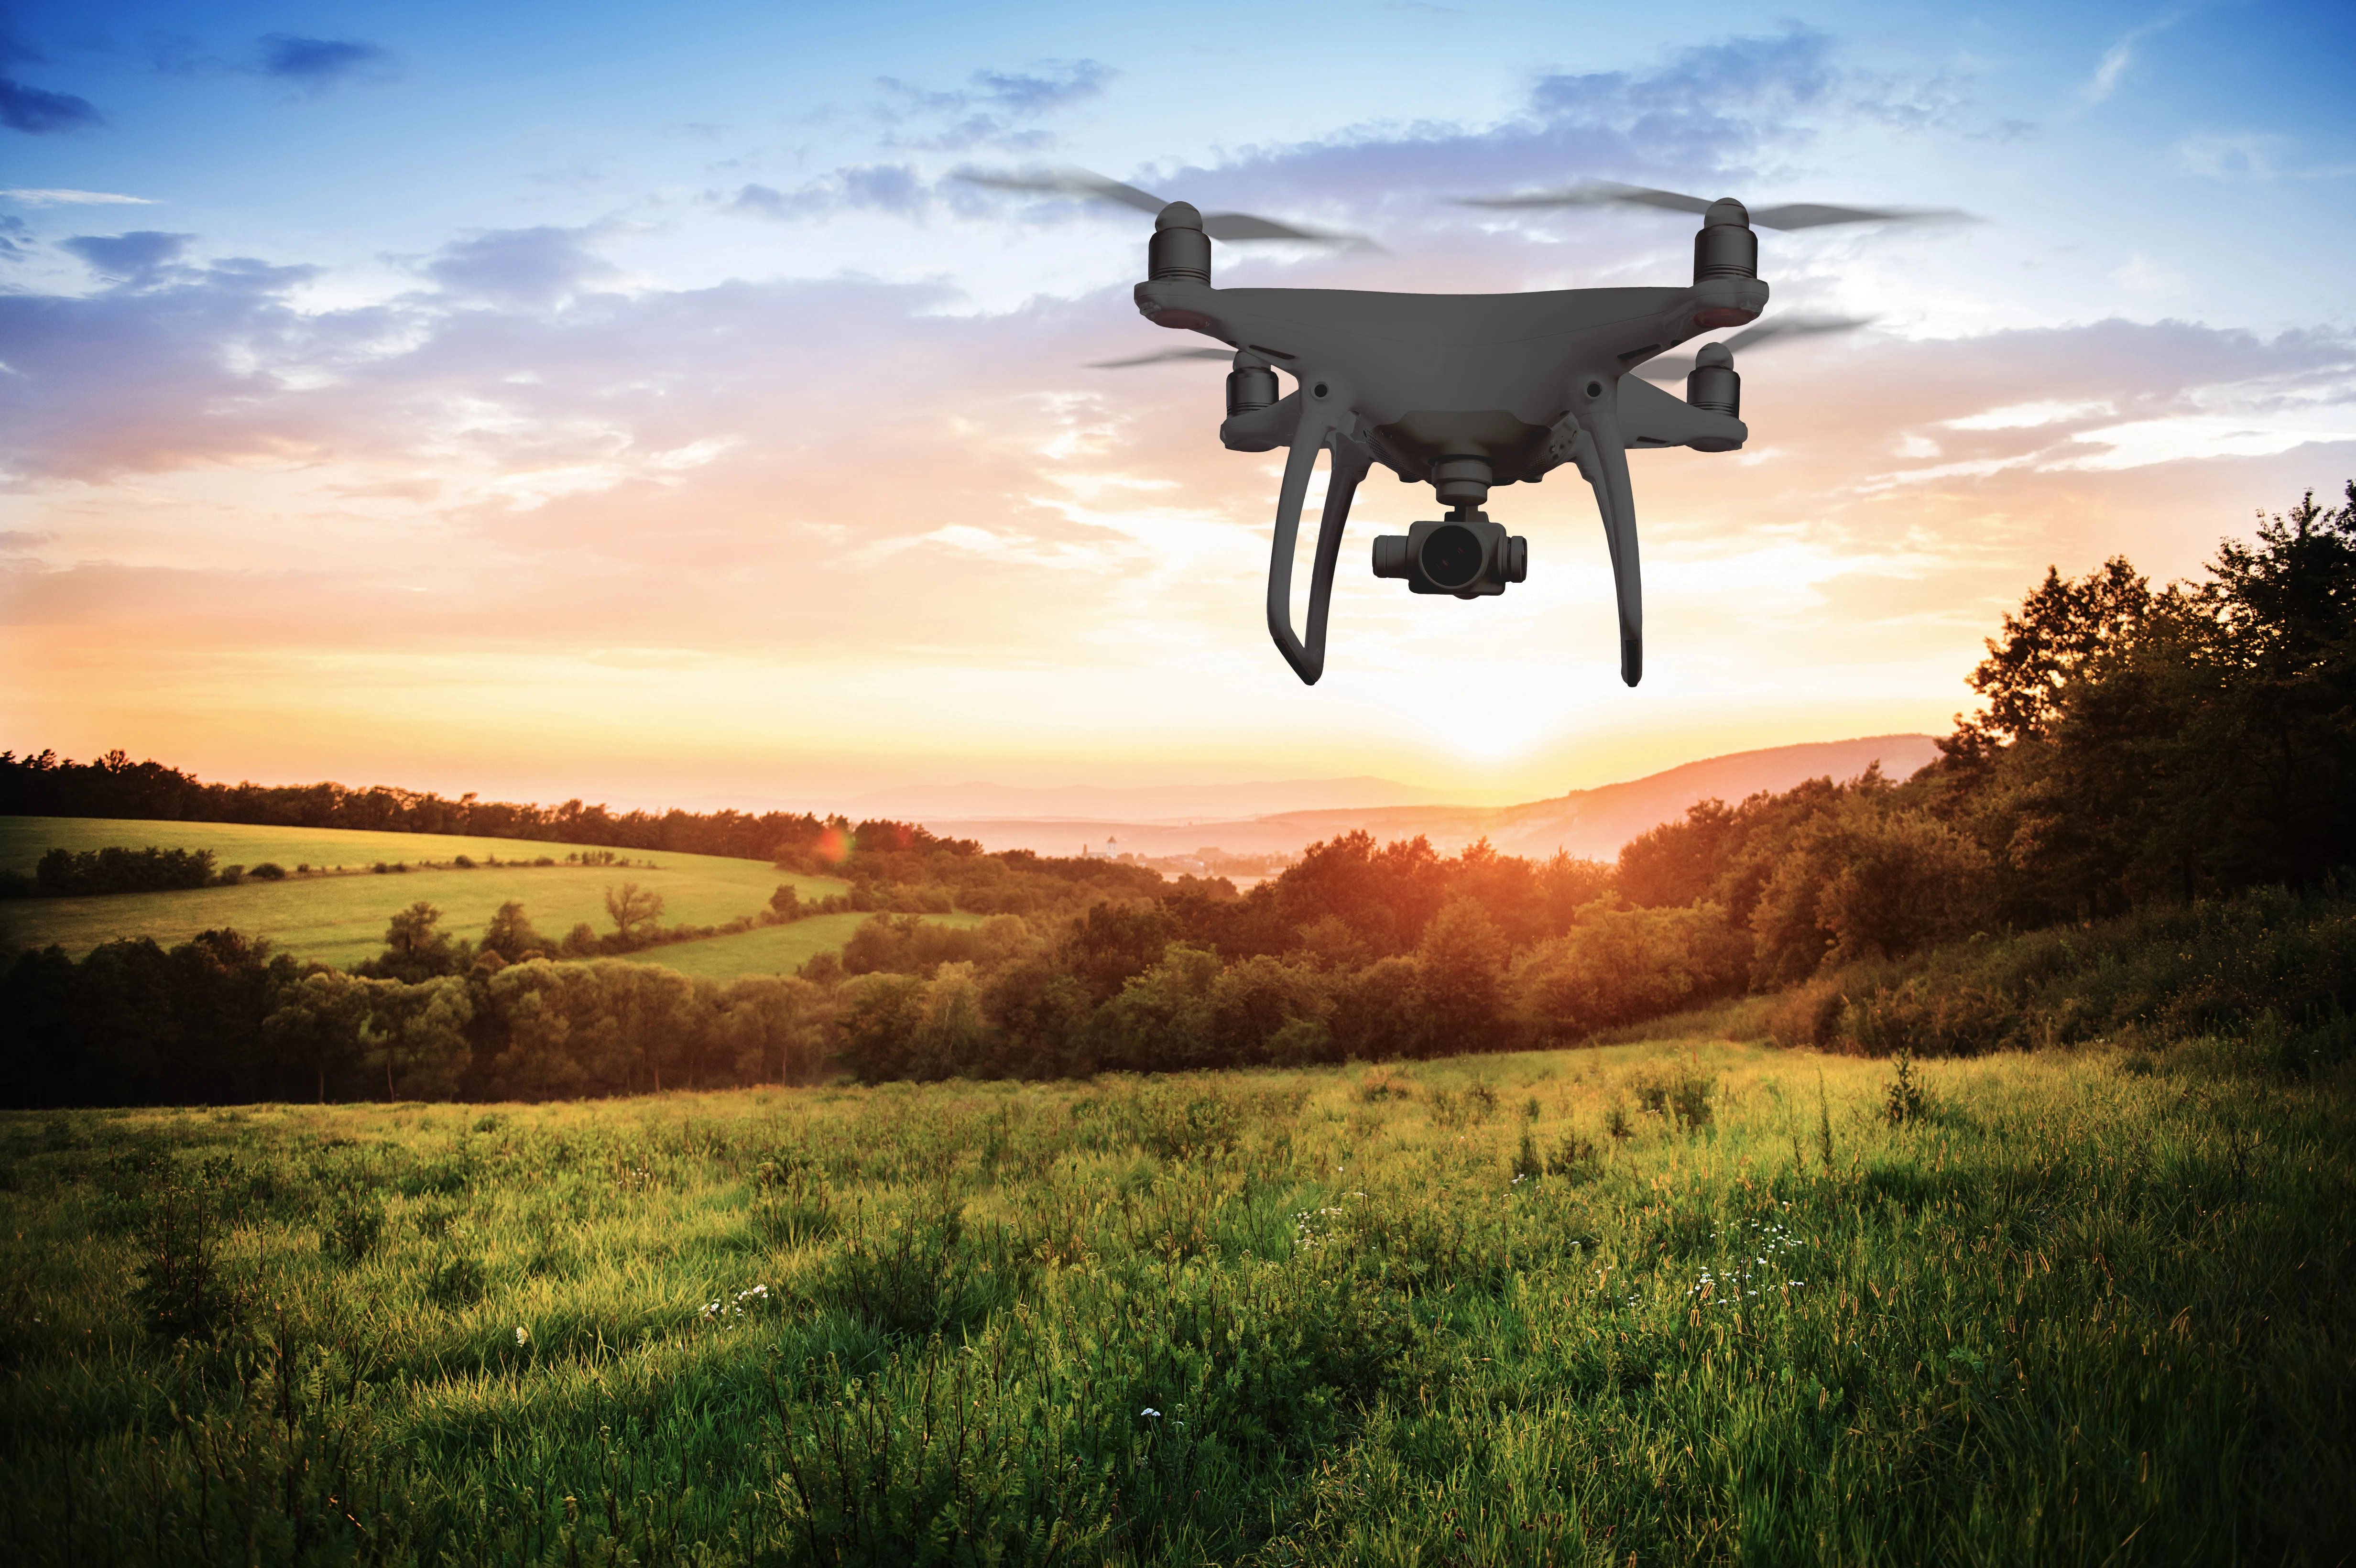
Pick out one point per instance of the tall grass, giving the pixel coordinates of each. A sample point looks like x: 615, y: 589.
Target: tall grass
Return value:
x: 1695, y: 1302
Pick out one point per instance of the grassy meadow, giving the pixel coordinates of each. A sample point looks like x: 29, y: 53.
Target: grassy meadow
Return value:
x: 340, y: 919
x: 1673, y: 1301
x: 772, y: 949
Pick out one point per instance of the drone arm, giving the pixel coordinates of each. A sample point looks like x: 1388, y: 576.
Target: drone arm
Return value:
x: 1650, y: 417
x: 1601, y: 455
x: 1318, y: 423
x: 1263, y: 430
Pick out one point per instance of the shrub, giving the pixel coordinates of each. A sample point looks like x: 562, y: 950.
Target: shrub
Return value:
x: 1576, y: 1156
x: 918, y: 1274
x: 269, y: 871
x: 1682, y: 1099
x: 178, y: 1290
x: 458, y: 1282
x: 1906, y: 1101
x: 352, y: 1227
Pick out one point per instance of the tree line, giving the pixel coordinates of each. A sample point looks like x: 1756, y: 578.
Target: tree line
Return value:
x: 44, y: 785
x: 2136, y: 750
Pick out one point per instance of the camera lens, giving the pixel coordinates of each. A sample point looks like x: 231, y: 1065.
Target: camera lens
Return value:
x: 1451, y: 556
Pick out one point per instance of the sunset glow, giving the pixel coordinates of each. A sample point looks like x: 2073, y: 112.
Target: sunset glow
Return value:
x: 636, y: 406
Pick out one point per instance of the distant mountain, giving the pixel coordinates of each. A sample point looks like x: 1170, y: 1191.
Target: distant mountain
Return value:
x: 1592, y: 822
x: 1153, y: 804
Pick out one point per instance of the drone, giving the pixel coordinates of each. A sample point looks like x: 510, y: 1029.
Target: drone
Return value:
x: 1464, y: 392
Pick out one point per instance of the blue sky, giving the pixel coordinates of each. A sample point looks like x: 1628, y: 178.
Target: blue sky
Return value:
x: 631, y: 398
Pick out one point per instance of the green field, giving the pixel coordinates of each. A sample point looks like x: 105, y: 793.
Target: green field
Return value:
x: 340, y: 919
x: 771, y: 949
x: 2084, y: 1308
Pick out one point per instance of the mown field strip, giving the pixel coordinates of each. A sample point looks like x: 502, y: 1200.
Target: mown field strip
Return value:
x: 772, y: 949
x: 340, y: 919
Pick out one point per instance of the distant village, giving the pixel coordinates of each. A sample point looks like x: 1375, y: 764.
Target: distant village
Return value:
x: 1213, y: 861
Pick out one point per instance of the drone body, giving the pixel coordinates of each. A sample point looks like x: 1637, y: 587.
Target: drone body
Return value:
x: 1464, y: 392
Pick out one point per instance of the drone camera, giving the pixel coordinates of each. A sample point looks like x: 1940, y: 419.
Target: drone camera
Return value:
x: 1463, y: 553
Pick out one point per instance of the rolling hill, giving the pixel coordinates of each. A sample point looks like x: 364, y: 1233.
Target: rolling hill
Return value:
x: 1592, y: 822
x: 339, y: 917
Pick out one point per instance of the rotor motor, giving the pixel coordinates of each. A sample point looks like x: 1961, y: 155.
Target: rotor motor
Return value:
x: 1251, y: 385
x: 1726, y: 247
x: 1713, y: 386
x: 1179, y: 248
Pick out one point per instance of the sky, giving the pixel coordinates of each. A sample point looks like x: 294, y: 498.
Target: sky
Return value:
x: 632, y: 402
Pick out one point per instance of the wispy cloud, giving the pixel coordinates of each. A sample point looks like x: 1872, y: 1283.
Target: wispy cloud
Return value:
x: 317, y: 64
x: 43, y: 196
x: 995, y: 108
x: 35, y: 110
x: 136, y: 260
x: 2112, y: 66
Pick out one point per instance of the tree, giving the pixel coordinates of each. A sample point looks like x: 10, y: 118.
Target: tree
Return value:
x: 418, y: 1035
x: 316, y: 1027
x: 416, y: 950
x: 510, y: 935
x: 1462, y: 958
x: 637, y: 913
x: 2069, y: 630
x: 2284, y: 614
x: 1253, y: 1000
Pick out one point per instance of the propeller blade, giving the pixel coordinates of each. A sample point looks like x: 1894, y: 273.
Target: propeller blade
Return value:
x: 1165, y: 355
x: 1676, y: 367
x: 1070, y: 182
x: 1814, y: 214
x: 1790, y: 215
x: 1232, y: 226
x: 1593, y: 193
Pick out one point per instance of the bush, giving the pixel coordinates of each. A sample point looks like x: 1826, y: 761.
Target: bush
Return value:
x: 269, y: 871
x: 459, y: 1281
x: 1906, y: 1101
x: 1679, y: 1098
x: 352, y: 1228
x: 178, y: 1288
x: 66, y: 872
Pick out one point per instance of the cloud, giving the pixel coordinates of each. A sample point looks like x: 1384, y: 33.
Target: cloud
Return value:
x: 50, y: 197
x: 318, y: 64
x: 34, y: 111
x: 1715, y: 116
x: 37, y: 111
x: 896, y: 188
x: 136, y: 260
x: 992, y: 109
x: 2115, y: 60
x: 22, y: 541
x: 519, y: 266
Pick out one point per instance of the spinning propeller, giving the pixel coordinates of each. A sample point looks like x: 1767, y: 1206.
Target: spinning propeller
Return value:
x: 1677, y: 366
x: 1792, y: 215
x: 1232, y: 226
